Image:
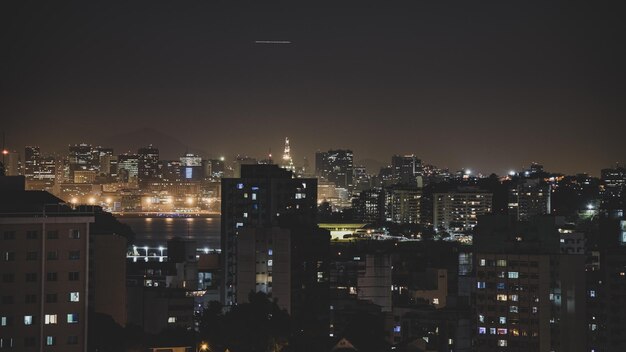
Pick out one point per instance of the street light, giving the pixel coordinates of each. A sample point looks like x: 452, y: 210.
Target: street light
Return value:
x: 203, y: 347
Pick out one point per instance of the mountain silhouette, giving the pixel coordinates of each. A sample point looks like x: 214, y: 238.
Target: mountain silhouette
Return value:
x: 169, y: 147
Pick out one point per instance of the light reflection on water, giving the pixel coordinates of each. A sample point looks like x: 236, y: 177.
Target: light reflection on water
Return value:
x: 156, y: 231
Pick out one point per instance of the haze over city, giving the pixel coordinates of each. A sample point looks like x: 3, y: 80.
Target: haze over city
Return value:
x: 487, y: 85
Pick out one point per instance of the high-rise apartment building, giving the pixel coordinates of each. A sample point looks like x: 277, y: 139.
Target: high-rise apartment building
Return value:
x: 403, y: 204
x: 529, y: 295
x: 458, y: 210
x: 264, y: 196
x: 529, y: 198
x: 44, y: 272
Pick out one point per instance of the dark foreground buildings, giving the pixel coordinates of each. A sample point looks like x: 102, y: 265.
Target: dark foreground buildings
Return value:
x: 50, y: 283
x: 271, y: 243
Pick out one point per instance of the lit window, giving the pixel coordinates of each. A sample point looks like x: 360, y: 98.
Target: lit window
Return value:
x: 502, y: 343
x: 514, y: 332
x: 171, y: 320
x: 502, y: 331
x: 492, y: 331
x: 513, y: 309
x: 50, y: 340
x: 396, y: 329
x: 513, y: 275
x: 240, y: 186
x: 72, y: 318
x: 74, y: 296
x: 502, y: 298
x: 436, y: 301
x: 483, y: 262
x: 270, y: 262
x: 592, y: 293
x: 535, y: 310
x: 502, y: 320
x: 481, y: 318
x: 50, y: 319
x: 482, y: 330
x: 28, y: 320
x: 501, y: 286
x: 253, y: 196
x: 501, y: 262
x: 514, y: 298
x: 480, y: 284
x: 3, y: 321
x: 270, y: 252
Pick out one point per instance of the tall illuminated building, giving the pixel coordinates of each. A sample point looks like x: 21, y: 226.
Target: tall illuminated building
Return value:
x: 148, y: 166
x: 105, y: 157
x: 403, y: 204
x: 32, y: 158
x: 287, y: 161
x: 336, y: 166
x: 529, y: 198
x: 407, y: 169
x: 82, y: 157
x: 458, y: 210
x: 128, y: 167
x: 191, y: 168
x: 613, y: 191
x: 40, y: 171
x: 11, y: 161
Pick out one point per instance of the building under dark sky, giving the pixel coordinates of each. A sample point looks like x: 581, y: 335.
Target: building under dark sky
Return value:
x: 489, y: 85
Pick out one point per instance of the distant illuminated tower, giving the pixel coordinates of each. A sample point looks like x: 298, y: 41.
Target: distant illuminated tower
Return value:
x: 287, y: 160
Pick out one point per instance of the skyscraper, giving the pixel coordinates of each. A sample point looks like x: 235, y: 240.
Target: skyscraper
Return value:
x: 406, y: 169
x: 128, y: 167
x: 83, y: 157
x: 40, y: 171
x: 287, y: 161
x: 336, y: 166
x: 148, y: 166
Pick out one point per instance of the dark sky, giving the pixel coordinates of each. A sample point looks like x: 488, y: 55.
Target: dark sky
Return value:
x: 490, y: 85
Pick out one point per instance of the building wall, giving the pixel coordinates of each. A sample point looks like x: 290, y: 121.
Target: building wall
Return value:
x: 36, y: 284
x: 108, y: 267
x: 459, y: 211
x: 374, y: 280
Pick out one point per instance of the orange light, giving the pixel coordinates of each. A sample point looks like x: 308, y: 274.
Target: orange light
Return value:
x: 5, y: 152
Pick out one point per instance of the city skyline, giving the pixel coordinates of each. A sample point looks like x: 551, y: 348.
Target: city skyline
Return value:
x: 489, y: 86
x: 372, y: 165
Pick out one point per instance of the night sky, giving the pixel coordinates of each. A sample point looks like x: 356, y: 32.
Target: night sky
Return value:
x: 490, y: 85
